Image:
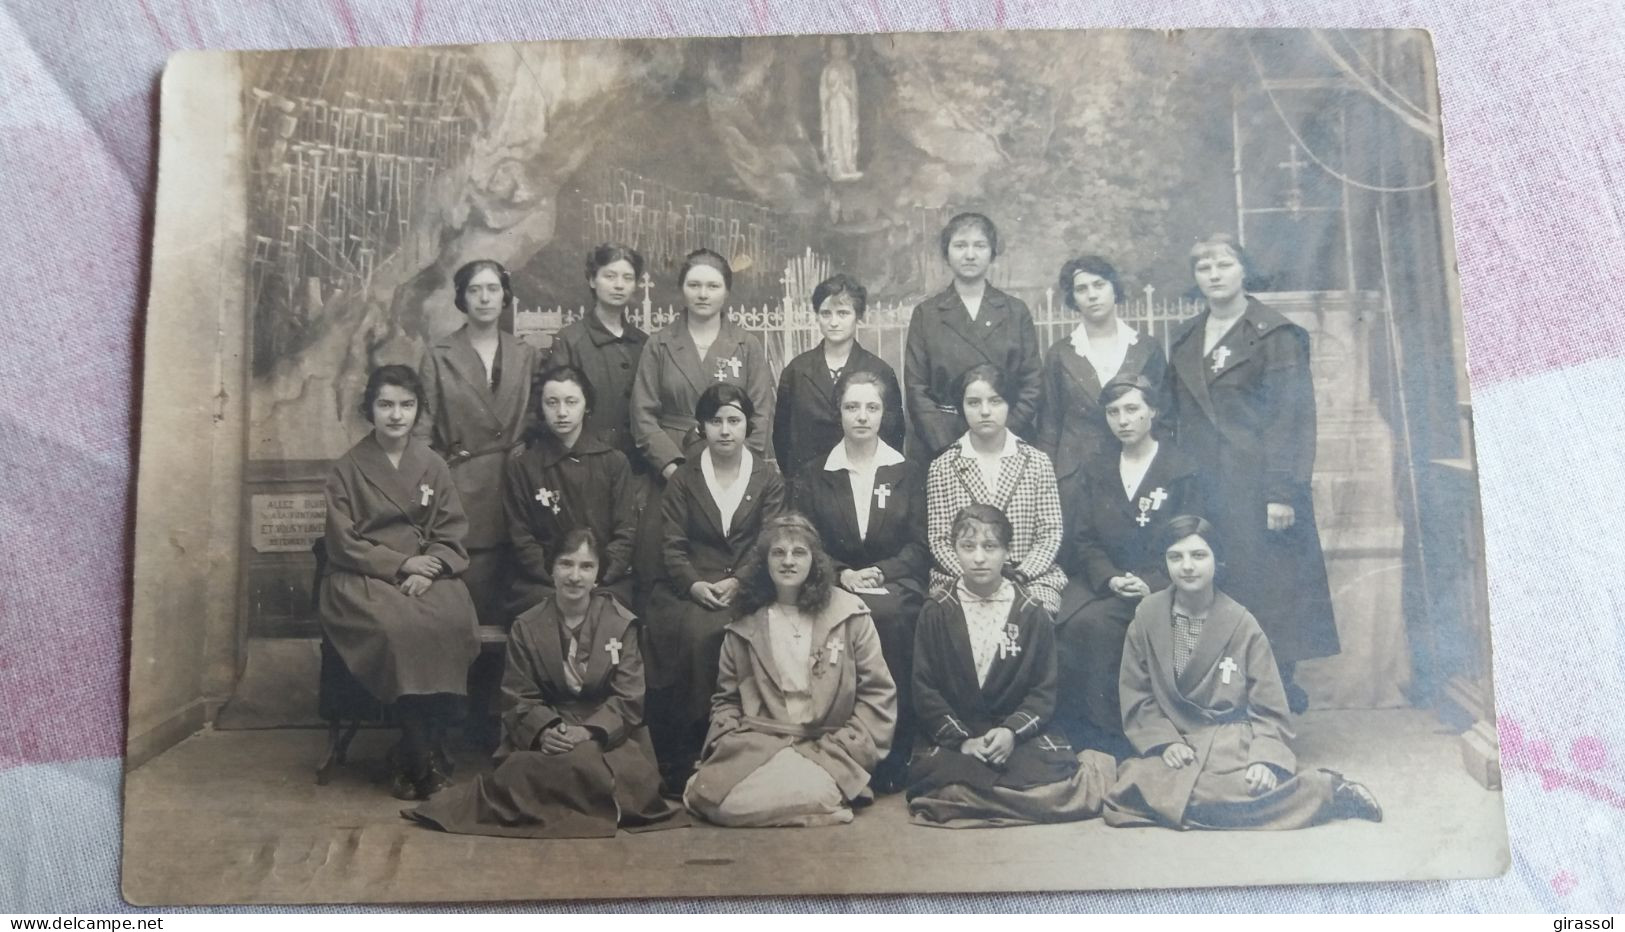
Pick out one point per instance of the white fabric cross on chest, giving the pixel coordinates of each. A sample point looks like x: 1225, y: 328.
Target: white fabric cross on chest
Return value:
x: 548, y: 498
x: 833, y: 649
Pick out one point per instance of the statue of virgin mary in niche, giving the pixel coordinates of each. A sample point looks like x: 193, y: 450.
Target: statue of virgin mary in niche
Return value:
x: 838, y: 108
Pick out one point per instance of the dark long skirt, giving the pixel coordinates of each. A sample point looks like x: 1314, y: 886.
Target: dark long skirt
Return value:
x: 488, y: 577
x: 1280, y: 576
x: 585, y: 793
x: 1089, y: 636
x: 396, y: 644
x: 894, y: 615
x: 685, y: 648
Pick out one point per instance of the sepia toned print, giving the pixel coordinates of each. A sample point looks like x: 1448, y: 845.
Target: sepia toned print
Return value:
x: 1058, y: 436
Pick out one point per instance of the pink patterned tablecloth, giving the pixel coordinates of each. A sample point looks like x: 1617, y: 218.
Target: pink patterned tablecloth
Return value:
x: 1534, y: 111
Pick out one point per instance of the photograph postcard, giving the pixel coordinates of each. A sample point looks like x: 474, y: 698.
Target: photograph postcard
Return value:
x: 922, y: 463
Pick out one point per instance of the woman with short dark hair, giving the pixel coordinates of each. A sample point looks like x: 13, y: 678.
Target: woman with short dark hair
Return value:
x: 1204, y: 708
x: 806, y: 423
x: 568, y: 479
x: 984, y: 683
x: 991, y: 465
x: 712, y: 510
x: 1102, y: 347
x: 1113, y: 560
x: 391, y: 602
x: 969, y: 323
x: 606, y: 346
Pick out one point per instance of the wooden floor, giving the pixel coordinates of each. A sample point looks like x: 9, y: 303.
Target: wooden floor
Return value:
x: 235, y: 817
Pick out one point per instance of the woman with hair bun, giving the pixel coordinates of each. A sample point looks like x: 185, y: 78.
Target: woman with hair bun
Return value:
x: 1242, y: 402
x: 478, y: 383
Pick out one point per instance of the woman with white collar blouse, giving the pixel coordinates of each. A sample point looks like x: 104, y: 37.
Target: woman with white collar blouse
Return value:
x: 1102, y: 347
x: 712, y: 510
x: 868, y: 504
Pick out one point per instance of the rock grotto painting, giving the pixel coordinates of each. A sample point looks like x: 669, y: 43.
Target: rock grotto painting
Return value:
x: 375, y: 173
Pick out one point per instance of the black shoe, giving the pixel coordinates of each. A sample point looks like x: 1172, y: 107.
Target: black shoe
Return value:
x: 889, y: 780
x: 673, y: 781
x: 1296, y: 699
x: 440, y: 762
x: 431, y: 783
x: 1354, y: 801
x: 402, y: 786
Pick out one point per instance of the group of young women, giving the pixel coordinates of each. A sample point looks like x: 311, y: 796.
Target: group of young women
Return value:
x: 931, y: 590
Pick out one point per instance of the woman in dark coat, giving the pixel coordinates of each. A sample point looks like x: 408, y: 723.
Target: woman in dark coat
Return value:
x: 984, y: 685
x: 606, y: 347
x: 806, y: 422
x: 575, y: 760
x: 712, y: 509
x: 391, y: 601
x: 868, y: 505
x: 478, y: 384
x: 1112, y: 558
x: 1102, y: 347
x: 970, y: 323
x: 568, y: 479
x: 1243, y: 407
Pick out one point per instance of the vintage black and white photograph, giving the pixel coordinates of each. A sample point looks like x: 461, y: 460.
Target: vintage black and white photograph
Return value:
x: 892, y: 463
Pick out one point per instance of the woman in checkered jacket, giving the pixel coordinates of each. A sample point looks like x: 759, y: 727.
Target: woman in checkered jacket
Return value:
x: 990, y: 465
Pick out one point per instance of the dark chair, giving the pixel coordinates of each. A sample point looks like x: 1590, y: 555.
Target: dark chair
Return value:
x: 341, y: 700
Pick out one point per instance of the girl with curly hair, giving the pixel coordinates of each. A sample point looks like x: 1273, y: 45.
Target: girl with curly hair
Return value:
x: 805, y: 706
